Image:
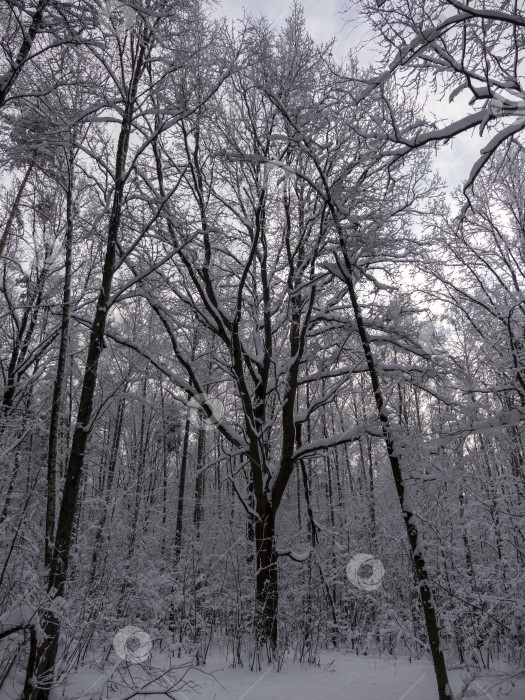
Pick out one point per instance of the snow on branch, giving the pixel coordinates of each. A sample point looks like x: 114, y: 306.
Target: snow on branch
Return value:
x: 18, y: 619
x: 499, y: 420
x: 490, y: 148
x: 352, y: 435
x: 293, y: 555
x: 484, y: 13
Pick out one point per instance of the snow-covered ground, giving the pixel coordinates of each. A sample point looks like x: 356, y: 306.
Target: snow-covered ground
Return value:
x: 339, y: 677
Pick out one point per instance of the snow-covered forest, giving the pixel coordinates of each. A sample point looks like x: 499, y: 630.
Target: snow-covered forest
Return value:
x: 262, y: 422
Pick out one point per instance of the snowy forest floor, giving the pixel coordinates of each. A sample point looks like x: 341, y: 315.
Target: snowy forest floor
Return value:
x: 339, y: 676
x: 342, y: 677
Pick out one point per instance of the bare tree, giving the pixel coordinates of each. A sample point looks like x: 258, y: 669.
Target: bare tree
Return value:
x: 451, y: 47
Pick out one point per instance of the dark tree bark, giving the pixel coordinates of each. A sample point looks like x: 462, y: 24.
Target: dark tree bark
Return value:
x: 14, y: 209
x: 9, y: 78
x: 409, y: 517
x: 56, y: 406
x: 69, y: 504
x: 267, y: 592
x: 18, y: 367
x: 182, y: 486
x: 199, y: 482
x: 112, y: 463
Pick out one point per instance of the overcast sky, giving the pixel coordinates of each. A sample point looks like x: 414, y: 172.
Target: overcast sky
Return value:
x: 323, y: 17
x: 326, y: 19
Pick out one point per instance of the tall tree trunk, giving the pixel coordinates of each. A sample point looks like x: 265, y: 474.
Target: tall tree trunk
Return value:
x: 10, y: 76
x: 267, y: 593
x: 199, y: 482
x: 112, y: 463
x: 409, y: 516
x: 59, y: 565
x: 56, y: 405
x: 14, y: 209
x: 22, y: 343
x: 164, y: 471
x: 182, y: 485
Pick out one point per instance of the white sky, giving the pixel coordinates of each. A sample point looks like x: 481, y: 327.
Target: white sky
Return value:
x: 325, y: 19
